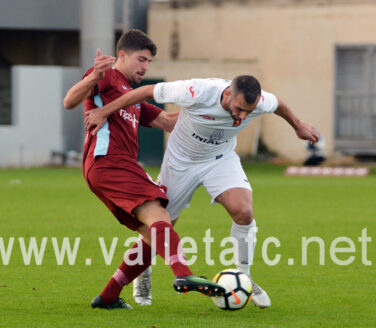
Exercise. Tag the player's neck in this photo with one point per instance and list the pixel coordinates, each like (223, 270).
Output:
(118, 67)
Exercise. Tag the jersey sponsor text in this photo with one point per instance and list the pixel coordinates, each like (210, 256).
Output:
(128, 116)
(208, 141)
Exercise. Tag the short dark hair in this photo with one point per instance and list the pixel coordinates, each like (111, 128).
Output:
(134, 40)
(248, 85)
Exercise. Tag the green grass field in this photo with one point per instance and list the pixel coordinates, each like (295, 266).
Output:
(57, 203)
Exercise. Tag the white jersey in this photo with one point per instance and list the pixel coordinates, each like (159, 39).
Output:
(204, 131)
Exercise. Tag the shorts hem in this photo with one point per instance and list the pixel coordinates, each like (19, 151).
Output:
(213, 201)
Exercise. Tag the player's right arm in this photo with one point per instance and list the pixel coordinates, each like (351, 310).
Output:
(82, 90)
(302, 129)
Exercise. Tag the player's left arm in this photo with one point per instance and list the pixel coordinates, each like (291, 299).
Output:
(181, 93)
(302, 129)
(165, 121)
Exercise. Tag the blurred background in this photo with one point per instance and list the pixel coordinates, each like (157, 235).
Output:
(319, 56)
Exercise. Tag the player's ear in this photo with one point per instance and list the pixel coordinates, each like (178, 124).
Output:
(227, 93)
(122, 55)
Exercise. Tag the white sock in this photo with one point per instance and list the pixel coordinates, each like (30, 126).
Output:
(246, 237)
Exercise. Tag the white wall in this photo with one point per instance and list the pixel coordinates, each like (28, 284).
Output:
(37, 116)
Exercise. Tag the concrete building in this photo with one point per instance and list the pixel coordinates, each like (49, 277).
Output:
(318, 56)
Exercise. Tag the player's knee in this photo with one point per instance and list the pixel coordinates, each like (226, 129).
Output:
(243, 215)
(151, 212)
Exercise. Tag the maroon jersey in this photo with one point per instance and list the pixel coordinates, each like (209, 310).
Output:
(119, 134)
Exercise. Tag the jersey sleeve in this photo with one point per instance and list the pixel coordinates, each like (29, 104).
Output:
(182, 93)
(268, 103)
(148, 113)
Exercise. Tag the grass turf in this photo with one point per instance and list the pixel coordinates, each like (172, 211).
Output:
(57, 203)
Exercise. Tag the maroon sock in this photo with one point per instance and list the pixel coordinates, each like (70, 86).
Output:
(126, 272)
(160, 228)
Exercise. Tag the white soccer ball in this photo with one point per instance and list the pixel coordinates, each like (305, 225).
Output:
(238, 289)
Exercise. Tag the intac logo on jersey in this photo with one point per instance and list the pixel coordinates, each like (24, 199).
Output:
(208, 141)
(129, 117)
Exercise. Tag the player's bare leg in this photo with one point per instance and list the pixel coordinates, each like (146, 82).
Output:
(238, 203)
(157, 220)
(142, 284)
(110, 296)
(153, 215)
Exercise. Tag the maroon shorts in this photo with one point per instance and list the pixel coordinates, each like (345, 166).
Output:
(122, 184)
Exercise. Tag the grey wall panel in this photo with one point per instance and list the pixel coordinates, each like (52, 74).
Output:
(73, 120)
(45, 14)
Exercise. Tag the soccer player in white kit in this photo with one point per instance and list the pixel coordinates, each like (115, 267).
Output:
(201, 151)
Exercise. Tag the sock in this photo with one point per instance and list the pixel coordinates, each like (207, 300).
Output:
(148, 270)
(246, 237)
(126, 272)
(166, 237)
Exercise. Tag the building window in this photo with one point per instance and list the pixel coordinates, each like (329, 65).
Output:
(355, 99)
(5, 96)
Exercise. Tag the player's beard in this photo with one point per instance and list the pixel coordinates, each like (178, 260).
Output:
(138, 77)
(233, 117)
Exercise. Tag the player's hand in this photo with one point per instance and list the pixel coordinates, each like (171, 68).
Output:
(102, 64)
(94, 120)
(307, 132)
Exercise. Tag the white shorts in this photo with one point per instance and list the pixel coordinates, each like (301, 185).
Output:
(216, 176)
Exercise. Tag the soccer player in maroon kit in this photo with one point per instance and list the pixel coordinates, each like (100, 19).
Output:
(112, 173)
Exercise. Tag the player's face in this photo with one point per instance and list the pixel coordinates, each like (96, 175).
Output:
(135, 64)
(239, 108)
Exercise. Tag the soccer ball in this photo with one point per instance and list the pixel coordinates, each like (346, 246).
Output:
(238, 289)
